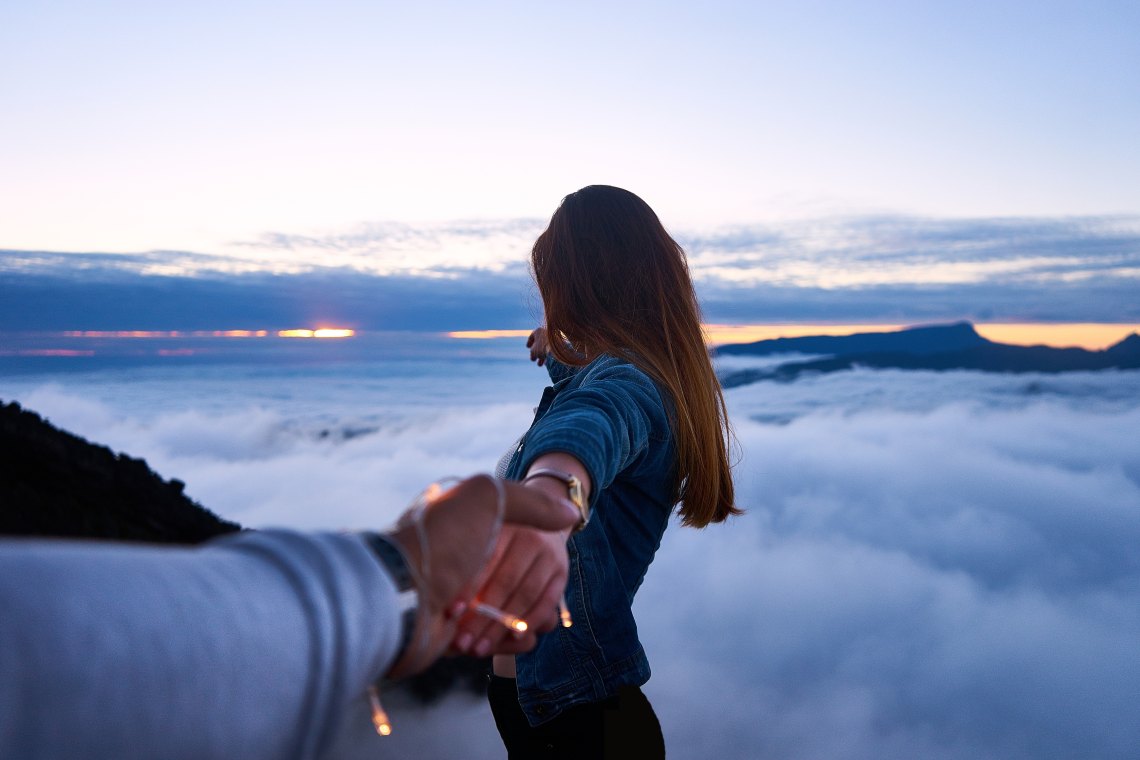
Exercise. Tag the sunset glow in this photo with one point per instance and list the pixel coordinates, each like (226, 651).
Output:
(166, 333)
(322, 332)
(719, 334)
(1090, 336)
(326, 332)
(1094, 337)
(488, 334)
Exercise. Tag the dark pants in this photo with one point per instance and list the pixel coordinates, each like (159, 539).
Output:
(623, 726)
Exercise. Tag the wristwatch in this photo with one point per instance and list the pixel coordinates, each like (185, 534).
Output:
(392, 558)
(573, 490)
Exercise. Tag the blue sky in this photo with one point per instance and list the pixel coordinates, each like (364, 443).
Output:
(138, 126)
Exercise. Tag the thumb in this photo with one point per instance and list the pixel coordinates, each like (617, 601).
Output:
(529, 506)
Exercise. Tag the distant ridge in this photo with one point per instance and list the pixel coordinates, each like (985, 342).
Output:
(912, 340)
(936, 347)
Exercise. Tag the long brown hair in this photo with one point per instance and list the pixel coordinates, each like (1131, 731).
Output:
(613, 281)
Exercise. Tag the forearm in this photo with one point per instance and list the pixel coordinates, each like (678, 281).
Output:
(555, 488)
(250, 647)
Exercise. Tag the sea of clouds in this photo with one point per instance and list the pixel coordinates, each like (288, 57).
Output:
(935, 565)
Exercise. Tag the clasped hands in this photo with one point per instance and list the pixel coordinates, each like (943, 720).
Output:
(518, 566)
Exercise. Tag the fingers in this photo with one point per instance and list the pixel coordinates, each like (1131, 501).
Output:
(526, 579)
(543, 615)
(480, 635)
(532, 507)
(538, 345)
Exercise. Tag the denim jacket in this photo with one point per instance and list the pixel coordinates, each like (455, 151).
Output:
(612, 418)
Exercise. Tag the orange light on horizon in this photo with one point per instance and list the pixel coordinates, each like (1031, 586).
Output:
(488, 334)
(323, 332)
(718, 334)
(1087, 335)
(165, 333)
(239, 333)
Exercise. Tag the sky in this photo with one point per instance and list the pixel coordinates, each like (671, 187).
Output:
(135, 127)
(931, 565)
(386, 166)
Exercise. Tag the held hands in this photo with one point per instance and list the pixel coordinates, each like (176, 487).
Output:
(520, 572)
(458, 528)
(528, 573)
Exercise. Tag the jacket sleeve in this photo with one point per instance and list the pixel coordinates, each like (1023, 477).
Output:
(605, 422)
(251, 646)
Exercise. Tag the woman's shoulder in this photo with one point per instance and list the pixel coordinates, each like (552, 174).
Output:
(621, 374)
(611, 365)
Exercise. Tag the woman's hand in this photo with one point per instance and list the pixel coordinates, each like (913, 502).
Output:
(459, 527)
(539, 345)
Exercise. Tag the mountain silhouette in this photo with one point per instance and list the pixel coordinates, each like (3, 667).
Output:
(913, 340)
(937, 347)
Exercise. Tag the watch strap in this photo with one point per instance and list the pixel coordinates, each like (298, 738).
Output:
(573, 491)
(392, 558)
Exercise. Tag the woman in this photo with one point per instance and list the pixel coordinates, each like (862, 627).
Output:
(637, 419)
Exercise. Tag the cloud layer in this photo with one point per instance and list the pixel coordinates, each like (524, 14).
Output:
(470, 275)
(932, 565)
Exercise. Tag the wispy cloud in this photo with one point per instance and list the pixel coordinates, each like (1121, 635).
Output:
(872, 251)
(897, 269)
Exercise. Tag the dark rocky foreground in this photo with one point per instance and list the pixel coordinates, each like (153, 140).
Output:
(53, 483)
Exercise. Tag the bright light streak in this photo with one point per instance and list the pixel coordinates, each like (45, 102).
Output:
(166, 333)
(488, 334)
(564, 614)
(324, 332)
(380, 718)
(505, 618)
